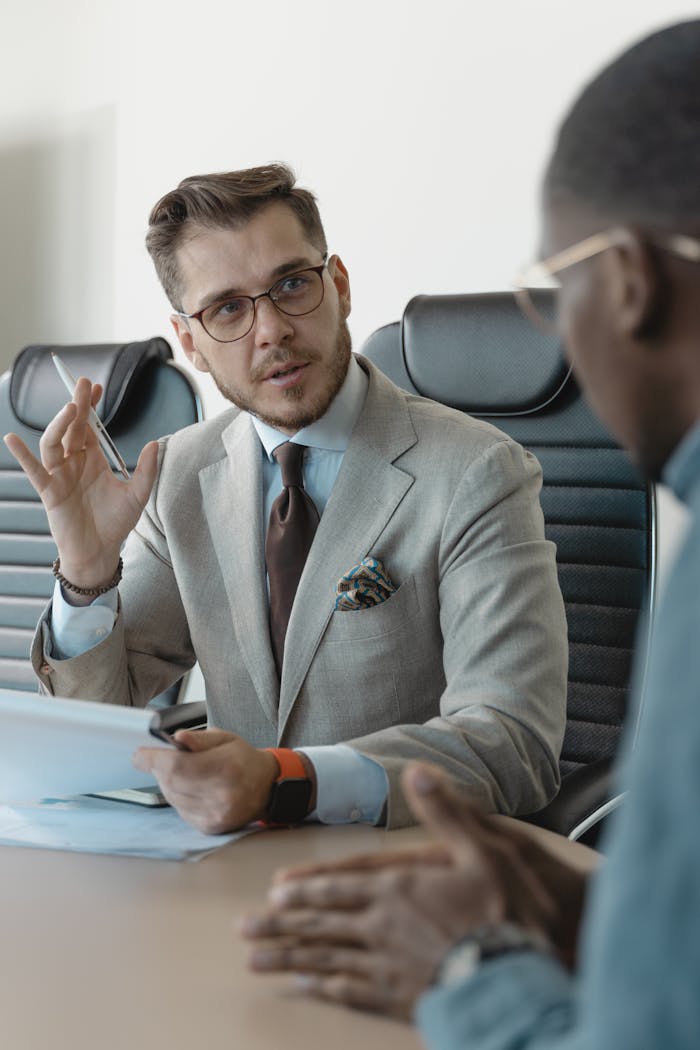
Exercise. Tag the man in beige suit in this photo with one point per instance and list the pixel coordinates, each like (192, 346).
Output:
(462, 660)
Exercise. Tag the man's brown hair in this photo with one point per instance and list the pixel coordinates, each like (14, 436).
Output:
(224, 200)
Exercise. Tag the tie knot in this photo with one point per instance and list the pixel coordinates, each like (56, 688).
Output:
(290, 458)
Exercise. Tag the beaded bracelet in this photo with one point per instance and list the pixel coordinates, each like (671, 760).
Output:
(90, 592)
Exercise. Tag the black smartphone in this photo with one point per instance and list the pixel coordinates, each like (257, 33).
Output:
(147, 796)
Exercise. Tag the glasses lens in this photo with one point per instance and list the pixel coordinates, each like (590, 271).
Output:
(299, 293)
(229, 320)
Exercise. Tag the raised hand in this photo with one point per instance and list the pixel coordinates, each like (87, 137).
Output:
(90, 510)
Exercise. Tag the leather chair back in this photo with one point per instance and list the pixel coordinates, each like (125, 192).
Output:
(478, 354)
(145, 396)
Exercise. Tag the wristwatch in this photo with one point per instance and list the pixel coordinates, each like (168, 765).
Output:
(486, 942)
(291, 792)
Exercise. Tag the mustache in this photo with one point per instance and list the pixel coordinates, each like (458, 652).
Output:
(281, 357)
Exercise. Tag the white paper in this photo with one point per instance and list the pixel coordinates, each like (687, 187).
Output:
(91, 825)
(51, 746)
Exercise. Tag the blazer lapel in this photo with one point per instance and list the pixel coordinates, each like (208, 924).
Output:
(367, 492)
(232, 495)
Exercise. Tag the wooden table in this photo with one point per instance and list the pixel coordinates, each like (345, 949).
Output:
(119, 953)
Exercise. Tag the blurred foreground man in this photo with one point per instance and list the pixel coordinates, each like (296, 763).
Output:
(481, 932)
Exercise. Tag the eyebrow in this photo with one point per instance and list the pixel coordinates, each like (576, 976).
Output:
(301, 262)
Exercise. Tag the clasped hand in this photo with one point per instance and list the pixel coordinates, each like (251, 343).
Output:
(372, 931)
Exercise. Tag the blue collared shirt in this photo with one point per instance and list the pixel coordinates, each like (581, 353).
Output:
(350, 787)
(639, 987)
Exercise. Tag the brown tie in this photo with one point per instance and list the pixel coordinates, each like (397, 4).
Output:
(290, 533)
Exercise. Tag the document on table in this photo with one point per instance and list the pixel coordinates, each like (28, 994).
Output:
(52, 751)
(93, 825)
(51, 746)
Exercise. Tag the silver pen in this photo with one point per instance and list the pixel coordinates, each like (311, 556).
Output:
(106, 443)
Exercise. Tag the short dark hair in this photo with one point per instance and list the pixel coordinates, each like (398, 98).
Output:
(224, 200)
(630, 146)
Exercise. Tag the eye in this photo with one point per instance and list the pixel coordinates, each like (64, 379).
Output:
(295, 283)
(224, 311)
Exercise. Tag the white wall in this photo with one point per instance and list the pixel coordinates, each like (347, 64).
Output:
(423, 128)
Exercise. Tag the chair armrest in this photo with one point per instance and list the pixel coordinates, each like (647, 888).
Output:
(585, 797)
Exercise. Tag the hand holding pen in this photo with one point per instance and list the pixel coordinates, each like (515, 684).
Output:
(90, 508)
(106, 443)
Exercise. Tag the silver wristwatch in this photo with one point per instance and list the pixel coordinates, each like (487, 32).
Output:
(486, 942)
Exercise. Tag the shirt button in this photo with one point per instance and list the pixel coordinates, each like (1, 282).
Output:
(100, 632)
(45, 669)
(355, 814)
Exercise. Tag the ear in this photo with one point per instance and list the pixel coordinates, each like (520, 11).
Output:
(341, 280)
(184, 335)
(636, 285)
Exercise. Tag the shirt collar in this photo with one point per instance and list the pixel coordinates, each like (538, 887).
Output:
(682, 471)
(332, 431)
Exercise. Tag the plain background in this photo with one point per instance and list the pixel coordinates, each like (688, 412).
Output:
(423, 128)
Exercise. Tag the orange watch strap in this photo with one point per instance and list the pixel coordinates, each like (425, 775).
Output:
(290, 763)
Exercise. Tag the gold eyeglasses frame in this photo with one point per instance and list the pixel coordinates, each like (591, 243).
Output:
(541, 276)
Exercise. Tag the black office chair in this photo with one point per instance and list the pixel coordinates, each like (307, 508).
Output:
(478, 354)
(145, 396)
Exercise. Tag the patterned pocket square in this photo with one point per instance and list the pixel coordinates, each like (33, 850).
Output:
(363, 586)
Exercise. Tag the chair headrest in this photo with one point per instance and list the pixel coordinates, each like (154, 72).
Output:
(479, 354)
(37, 391)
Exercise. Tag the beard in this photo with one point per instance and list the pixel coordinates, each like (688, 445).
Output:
(335, 371)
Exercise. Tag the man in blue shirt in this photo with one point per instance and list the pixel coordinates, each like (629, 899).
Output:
(478, 936)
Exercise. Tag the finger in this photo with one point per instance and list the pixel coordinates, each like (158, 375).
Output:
(169, 764)
(351, 976)
(144, 476)
(306, 926)
(478, 844)
(347, 891)
(203, 739)
(150, 759)
(457, 822)
(435, 853)
(51, 443)
(356, 991)
(79, 432)
(327, 959)
(32, 467)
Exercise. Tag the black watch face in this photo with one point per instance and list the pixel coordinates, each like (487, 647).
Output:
(289, 801)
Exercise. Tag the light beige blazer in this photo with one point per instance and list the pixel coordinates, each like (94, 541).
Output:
(465, 664)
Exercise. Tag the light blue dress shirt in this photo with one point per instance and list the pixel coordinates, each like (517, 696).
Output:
(351, 788)
(639, 984)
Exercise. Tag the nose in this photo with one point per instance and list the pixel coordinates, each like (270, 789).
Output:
(271, 326)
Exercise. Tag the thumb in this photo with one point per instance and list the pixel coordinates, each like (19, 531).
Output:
(145, 473)
(202, 739)
(450, 817)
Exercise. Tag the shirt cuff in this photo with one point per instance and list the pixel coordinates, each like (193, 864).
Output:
(350, 788)
(77, 628)
(523, 999)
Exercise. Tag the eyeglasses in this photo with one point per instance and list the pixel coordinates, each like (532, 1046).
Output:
(230, 319)
(537, 286)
